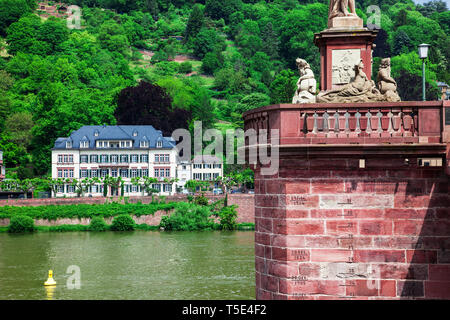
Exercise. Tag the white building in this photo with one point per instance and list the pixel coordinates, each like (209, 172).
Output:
(2, 167)
(206, 168)
(184, 173)
(116, 151)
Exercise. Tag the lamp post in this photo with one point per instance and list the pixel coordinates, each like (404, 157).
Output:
(423, 54)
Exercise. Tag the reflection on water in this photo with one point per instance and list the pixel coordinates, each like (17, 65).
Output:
(137, 265)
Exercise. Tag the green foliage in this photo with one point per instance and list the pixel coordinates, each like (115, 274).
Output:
(80, 211)
(207, 40)
(21, 224)
(11, 11)
(185, 67)
(228, 216)
(282, 88)
(123, 222)
(188, 217)
(201, 200)
(98, 224)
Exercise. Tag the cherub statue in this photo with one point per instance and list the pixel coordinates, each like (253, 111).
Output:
(386, 84)
(306, 85)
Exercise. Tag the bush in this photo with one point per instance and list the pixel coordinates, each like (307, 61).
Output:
(185, 67)
(228, 216)
(188, 217)
(98, 224)
(21, 224)
(124, 222)
(201, 200)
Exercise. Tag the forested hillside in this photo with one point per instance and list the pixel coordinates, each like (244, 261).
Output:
(214, 58)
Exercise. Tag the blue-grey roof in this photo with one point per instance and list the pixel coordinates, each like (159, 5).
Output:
(144, 133)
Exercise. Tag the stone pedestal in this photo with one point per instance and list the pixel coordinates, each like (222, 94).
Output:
(341, 49)
(359, 207)
(346, 23)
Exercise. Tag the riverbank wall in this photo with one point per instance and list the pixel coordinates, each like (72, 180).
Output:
(245, 209)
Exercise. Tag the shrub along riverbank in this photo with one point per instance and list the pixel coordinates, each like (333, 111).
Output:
(184, 217)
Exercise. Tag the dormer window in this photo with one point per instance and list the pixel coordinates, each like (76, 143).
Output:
(159, 144)
(69, 144)
(144, 144)
(96, 133)
(84, 144)
(135, 133)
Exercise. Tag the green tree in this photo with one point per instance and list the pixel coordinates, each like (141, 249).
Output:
(283, 87)
(112, 37)
(11, 11)
(195, 22)
(207, 40)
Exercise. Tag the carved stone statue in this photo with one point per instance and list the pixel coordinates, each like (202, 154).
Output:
(341, 8)
(342, 14)
(306, 85)
(386, 84)
(361, 89)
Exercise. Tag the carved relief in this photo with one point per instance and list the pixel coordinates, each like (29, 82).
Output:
(344, 62)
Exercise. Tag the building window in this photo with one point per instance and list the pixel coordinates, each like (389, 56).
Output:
(122, 144)
(94, 189)
(94, 173)
(197, 166)
(145, 172)
(96, 133)
(215, 176)
(156, 173)
(124, 173)
(167, 188)
(134, 188)
(184, 167)
(207, 176)
(124, 158)
(134, 158)
(104, 173)
(60, 189)
(157, 187)
(167, 173)
(133, 173)
(83, 159)
(217, 166)
(84, 173)
(128, 144)
(70, 173)
(94, 158)
(144, 158)
(144, 144)
(84, 144)
(60, 173)
(104, 158)
(70, 189)
(159, 144)
(207, 166)
(114, 173)
(114, 158)
(60, 158)
(197, 176)
(66, 173)
(69, 144)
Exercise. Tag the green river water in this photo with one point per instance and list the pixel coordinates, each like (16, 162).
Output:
(129, 266)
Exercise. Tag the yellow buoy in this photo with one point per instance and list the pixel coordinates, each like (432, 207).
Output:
(50, 281)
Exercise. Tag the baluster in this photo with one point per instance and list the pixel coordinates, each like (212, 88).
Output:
(315, 125)
(369, 123)
(397, 122)
(326, 118)
(342, 124)
(415, 123)
(303, 130)
(384, 124)
(309, 124)
(407, 122)
(390, 116)
(380, 124)
(358, 123)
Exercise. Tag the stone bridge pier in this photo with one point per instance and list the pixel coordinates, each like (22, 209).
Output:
(359, 207)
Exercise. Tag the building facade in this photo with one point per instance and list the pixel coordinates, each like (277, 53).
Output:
(115, 151)
(206, 168)
(2, 167)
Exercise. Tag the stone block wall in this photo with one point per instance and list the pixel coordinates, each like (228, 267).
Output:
(327, 229)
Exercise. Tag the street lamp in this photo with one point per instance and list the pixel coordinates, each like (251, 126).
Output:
(423, 54)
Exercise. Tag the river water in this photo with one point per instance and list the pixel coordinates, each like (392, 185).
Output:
(128, 266)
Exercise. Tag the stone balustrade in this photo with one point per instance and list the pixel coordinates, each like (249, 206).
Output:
(359, 124)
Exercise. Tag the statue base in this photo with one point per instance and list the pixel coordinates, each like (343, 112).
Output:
(349, 22)
(340, 50)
